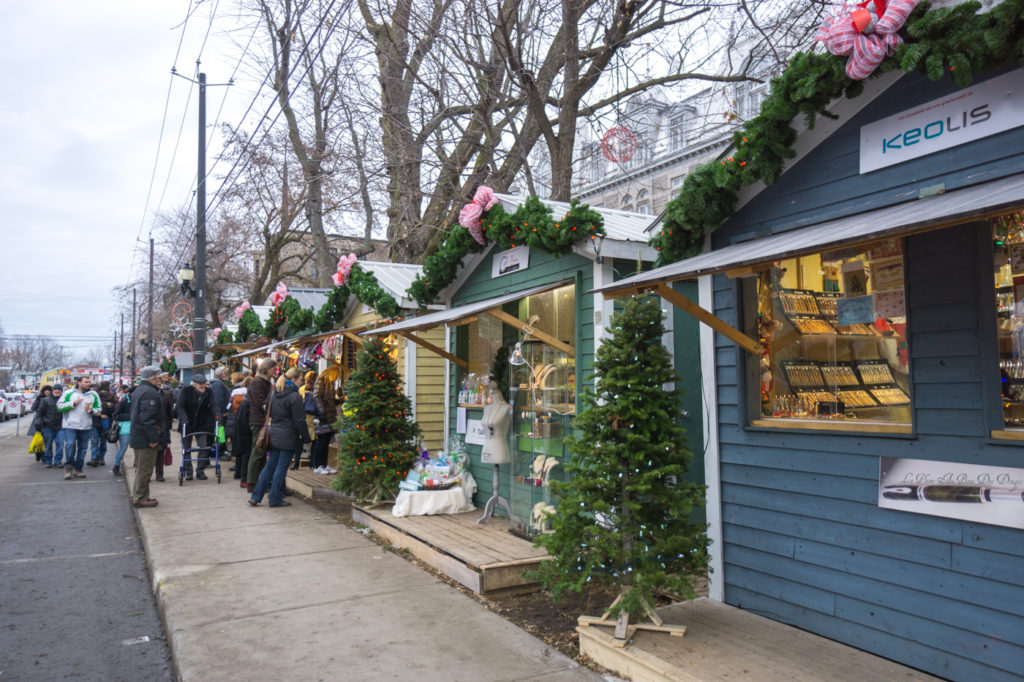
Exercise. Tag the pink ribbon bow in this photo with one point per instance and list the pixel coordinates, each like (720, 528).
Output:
(216, 332)
(281, 293)
(469, 216)
(345, 264)
(842, 34)
(241, 309)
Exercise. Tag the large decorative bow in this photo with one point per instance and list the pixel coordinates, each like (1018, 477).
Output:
(345, 264)
(469, 216)
(281, 293)
(216, 332)
(849, 31)
(241, 309)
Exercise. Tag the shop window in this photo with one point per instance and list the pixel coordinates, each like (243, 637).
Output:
(552, 380)
(1008, 266)
(833, 330)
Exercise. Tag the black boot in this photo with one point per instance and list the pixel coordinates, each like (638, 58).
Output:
(116, 470)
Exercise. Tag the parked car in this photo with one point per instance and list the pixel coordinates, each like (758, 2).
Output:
(13, 405)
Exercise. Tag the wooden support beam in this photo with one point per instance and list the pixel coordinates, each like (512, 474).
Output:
(461, 321)
(354, 337)
(539, 335)
(677, 299)
(435, 349)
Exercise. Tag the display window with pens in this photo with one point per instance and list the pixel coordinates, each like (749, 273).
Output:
(1008, 278)
(833, 333)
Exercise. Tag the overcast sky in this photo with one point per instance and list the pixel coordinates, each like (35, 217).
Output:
(84, 91)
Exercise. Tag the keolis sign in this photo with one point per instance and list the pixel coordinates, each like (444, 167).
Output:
(973, 113)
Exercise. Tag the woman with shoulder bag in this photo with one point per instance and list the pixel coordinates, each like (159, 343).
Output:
(288, 433)
(121, 424)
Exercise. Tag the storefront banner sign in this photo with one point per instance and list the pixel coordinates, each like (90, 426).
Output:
(860, 310)
(513, 260)
(475, 432)
(983, 109)
(890, 305)
(970, 492)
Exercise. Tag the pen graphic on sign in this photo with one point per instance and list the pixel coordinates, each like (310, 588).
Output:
(951, 493)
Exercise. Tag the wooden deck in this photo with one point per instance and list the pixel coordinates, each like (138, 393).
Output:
(486, 558)
(304, 482)
(726, 643)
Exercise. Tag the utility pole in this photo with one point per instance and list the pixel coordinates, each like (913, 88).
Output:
(120, 367)
(149, 330)
(199, 318)
(132, 351)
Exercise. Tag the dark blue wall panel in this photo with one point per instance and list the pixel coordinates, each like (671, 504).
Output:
(804, 541)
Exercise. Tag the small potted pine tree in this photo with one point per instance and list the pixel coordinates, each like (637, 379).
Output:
(377, 445)
(624, 514)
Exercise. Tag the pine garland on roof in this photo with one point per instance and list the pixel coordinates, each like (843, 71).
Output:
(955, 40)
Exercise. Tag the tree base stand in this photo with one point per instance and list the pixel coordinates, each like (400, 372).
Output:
(624, 630)
(496, 500)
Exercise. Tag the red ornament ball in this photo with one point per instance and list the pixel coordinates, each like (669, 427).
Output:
(619, 144)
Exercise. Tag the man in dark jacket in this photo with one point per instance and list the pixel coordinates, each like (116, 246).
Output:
(241, 442)
(51, 422)
(259, 394)
(148, 430)
(100, 424)
(197, 419)
(221, 397)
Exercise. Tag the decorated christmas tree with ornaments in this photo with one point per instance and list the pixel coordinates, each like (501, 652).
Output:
(377, 446)
(624, 514)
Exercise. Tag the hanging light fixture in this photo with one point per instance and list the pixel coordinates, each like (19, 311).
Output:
(517, 358)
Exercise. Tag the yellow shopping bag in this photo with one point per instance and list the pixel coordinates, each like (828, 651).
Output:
(36, 447)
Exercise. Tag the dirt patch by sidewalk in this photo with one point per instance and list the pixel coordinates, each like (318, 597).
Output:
(536, 612)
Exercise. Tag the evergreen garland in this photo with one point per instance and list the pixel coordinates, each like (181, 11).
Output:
(623, 517)
(224, 337)
(332, 312)
(532, 224)
(363, 284)
(377, 445)
(169, 365)
(955, 40)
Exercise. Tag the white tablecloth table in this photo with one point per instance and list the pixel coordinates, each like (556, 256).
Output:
(454, 500)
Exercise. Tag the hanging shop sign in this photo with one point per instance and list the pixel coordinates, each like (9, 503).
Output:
(970, 492)
(983, 109)
(513, 260)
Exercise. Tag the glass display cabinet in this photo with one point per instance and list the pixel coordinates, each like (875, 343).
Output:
(543, 396)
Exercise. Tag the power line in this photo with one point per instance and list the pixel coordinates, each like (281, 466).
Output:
(159, 144)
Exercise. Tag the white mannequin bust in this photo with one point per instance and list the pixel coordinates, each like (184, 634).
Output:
(496, 421)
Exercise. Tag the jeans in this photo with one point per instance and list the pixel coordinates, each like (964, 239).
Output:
(273, 474)
(202, 441)
(318, 452)
(48, 437)
(122, 446)
(99, 444)
(76, 443)
(60, 440)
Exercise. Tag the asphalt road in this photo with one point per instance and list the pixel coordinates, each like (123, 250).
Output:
(75, 595)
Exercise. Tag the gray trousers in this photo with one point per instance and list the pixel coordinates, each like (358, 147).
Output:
(145, 460)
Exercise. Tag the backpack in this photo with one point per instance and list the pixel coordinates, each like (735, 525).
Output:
(236, 401)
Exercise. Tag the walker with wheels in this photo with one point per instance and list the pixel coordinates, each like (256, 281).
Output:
(207, 453)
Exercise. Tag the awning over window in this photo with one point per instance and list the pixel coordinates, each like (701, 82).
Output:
(958, 206)
(465, 314)
(920, 215)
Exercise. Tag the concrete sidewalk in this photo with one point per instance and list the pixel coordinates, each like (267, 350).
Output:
(266, 594)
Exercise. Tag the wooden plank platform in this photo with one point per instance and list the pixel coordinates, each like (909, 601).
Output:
(485, 557)
(304, 482)
(723, 642)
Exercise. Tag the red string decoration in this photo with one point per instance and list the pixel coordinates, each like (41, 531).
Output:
(619, 144)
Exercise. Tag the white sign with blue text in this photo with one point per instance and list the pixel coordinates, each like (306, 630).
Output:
(983, 109)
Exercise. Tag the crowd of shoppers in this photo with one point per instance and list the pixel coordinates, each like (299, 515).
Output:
(74, 419)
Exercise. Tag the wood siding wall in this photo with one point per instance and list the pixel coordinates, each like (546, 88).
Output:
(804, 539)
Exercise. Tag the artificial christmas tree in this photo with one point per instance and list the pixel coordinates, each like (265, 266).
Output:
(623, 518)
(377, 447)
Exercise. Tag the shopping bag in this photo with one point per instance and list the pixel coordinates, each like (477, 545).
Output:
(168, 458)
(36, 447)
(221, 436)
